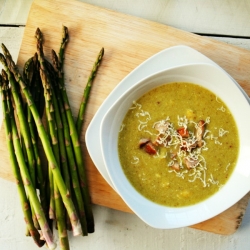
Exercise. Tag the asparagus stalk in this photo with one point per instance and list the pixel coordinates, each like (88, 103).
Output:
(15, 168)
(71, 160)
(86, 93)
(59, 208)
(62, 150)
(25, 135)
(58, 65)
(51, 196)
(11, 67)
(55, 128)
(51, 84)
(73, 172)
(5, 78)
(28, 71)
(24, 127)
(29, 75)
(37, 90)
(53, 139)
(46, 232)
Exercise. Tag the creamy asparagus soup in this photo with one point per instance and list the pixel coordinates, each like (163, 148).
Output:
(178, 144)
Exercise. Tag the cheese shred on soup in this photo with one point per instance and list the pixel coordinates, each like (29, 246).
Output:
(178, 144)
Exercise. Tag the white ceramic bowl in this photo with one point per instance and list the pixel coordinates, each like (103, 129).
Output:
(159, 216)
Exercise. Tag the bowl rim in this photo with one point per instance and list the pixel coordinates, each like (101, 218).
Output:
(185, 212)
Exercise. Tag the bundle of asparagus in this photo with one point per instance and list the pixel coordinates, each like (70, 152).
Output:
(36, 110)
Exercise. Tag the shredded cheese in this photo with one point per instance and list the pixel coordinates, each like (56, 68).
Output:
(222, 109)
(228, 165)
(191, 163)
(222, 132)
(135, 160)
(144, 116)
(212, 181)
(217, 99)
(122, 127)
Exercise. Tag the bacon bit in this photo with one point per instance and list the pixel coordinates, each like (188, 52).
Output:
(200, 132)
(183, 132)
(155, 142)
(184, 146)
(194, 145)
(187, 146)
(176, 166)
(173, 155)
(191, 163)
(150, 148)
(143, 142)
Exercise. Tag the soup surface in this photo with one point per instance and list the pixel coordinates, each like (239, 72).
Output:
(178, 144)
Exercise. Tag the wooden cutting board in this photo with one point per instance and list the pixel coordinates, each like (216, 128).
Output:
(128, 41)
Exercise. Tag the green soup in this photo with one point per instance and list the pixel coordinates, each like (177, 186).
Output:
(178, 144)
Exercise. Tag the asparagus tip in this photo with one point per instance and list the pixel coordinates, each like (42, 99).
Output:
(3, 60)
(3, 47)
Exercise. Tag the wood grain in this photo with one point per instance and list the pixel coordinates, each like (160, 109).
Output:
(128, 41)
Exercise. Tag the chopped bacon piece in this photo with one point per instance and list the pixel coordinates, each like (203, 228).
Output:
(200, 132)
(173, 155)
(188, 145)
(183, 132)
(191, 163)
(155, 142)
(193, 145)
(184, 146)
(143, 142)
(176, 166)
(150, 148)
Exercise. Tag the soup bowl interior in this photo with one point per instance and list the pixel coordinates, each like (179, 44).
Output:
(217, 81)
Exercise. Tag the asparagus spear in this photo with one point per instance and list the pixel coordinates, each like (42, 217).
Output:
(46, 232)
(29, 75)
(58, 65)
(11, 67)
(5, 78)
(24, 127)
(37, 90)
(51, 196)
(59, 208)
(55, 128)
(60, 129)
(62, 150)
(81, 113)
(64, 136)
(25, 135)
(71, 159)
(14, 165)
(53, 140)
